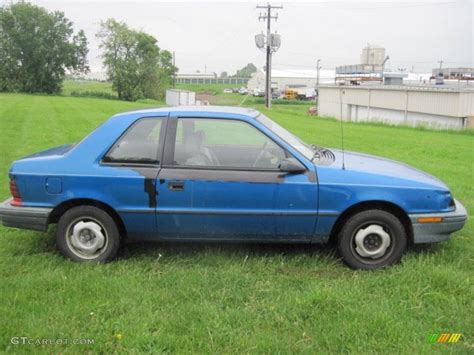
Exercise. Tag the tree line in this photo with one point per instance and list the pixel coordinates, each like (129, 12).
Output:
(245, 72)
(38, 48)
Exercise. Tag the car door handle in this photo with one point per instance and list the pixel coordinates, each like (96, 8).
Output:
(176, 185)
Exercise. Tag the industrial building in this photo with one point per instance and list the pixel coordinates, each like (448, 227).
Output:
(431, 106)
(372, 55)
(291, 78)
(207, 78)
(454, 73)
(370, 69)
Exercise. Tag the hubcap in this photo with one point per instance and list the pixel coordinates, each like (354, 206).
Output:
(86, 239)
(372, 241)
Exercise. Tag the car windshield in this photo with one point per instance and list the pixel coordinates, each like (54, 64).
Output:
(288, 137)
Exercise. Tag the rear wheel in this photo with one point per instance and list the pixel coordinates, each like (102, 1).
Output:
(87, 233)
(372, 239)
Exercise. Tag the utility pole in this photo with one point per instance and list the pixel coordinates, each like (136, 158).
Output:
(317, 74)
(368, 53)
(174, 65)
(440, 76)
(441, 66)
(270, 47)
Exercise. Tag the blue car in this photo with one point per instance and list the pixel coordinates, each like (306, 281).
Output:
(224, 174)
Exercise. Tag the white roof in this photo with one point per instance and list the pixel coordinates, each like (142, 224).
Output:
(412, 76)
(302, 73)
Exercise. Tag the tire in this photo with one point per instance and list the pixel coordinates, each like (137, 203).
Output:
(372, 239)
(88, 234)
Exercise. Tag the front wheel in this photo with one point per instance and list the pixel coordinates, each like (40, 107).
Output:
(372, 239)
(87, 233)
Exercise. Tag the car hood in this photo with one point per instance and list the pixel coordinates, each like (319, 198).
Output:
(393, 171)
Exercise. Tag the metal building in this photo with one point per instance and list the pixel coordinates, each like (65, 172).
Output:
(372, 55)
(208, 78)
(455, 73)
(285, 79)
(370, 69)
(447, 107)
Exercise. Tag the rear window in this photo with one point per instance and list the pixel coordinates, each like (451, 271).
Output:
(139, 144)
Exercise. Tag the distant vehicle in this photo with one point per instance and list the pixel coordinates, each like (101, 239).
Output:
(300, 93)
(224, 174)
(228, 91)
(258, 92)
(276, 94)
(291, 94)
(235, 90)
(243, 91)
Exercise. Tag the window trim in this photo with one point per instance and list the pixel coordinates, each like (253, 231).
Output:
(170, 141)
(161, 144)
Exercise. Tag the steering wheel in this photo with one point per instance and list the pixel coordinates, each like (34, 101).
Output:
(261, 154)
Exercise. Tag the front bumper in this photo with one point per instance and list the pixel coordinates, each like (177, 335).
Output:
(35, 218)
(440, 231)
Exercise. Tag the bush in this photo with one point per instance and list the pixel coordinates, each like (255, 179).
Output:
(95, 94)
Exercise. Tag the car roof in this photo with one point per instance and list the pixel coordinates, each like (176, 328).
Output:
(201, 110)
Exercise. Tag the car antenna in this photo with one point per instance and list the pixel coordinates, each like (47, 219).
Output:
(342, 131)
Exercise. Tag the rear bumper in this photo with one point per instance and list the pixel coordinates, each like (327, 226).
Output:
(438, 232)
(35, 218)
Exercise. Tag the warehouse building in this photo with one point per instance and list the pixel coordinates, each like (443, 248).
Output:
(292, 78)
(208, 78)
(435, 107)
(454, 73)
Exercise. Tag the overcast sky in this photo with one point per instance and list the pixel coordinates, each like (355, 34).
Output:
(219, 36)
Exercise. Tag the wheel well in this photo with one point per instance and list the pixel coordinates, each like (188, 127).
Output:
(59, 210)
(369, 205)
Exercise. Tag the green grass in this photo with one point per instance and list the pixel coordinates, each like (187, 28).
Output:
(211, 88)
(211, 92)
(194, 298)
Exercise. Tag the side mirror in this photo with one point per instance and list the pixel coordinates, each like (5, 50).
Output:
(292, 166)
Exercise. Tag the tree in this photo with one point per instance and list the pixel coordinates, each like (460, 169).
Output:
(246, 72)
(135, 64)
(224, 75)
(37, 48)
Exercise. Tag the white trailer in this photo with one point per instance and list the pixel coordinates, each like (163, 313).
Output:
(180, 97)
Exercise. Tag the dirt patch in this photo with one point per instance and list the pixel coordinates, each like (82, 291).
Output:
(204, 96)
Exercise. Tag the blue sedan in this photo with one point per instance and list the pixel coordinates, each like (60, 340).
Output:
(224, 174)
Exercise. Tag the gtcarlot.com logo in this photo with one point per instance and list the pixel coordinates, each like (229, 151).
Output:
(50, 341)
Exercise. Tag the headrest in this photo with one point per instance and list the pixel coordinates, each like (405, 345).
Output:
(195, 140)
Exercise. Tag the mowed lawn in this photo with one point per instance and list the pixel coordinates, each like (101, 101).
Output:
(234, 298)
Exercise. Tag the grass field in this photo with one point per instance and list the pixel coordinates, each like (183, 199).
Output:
(210, 92)
(217, 298)
(88, 88)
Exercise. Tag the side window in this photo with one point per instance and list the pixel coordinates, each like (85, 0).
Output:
(139, 144)
(224, 143)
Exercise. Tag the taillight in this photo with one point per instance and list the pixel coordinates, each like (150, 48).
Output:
(15, 193)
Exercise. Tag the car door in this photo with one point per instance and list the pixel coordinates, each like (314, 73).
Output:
(129, 170)
(220, 180)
